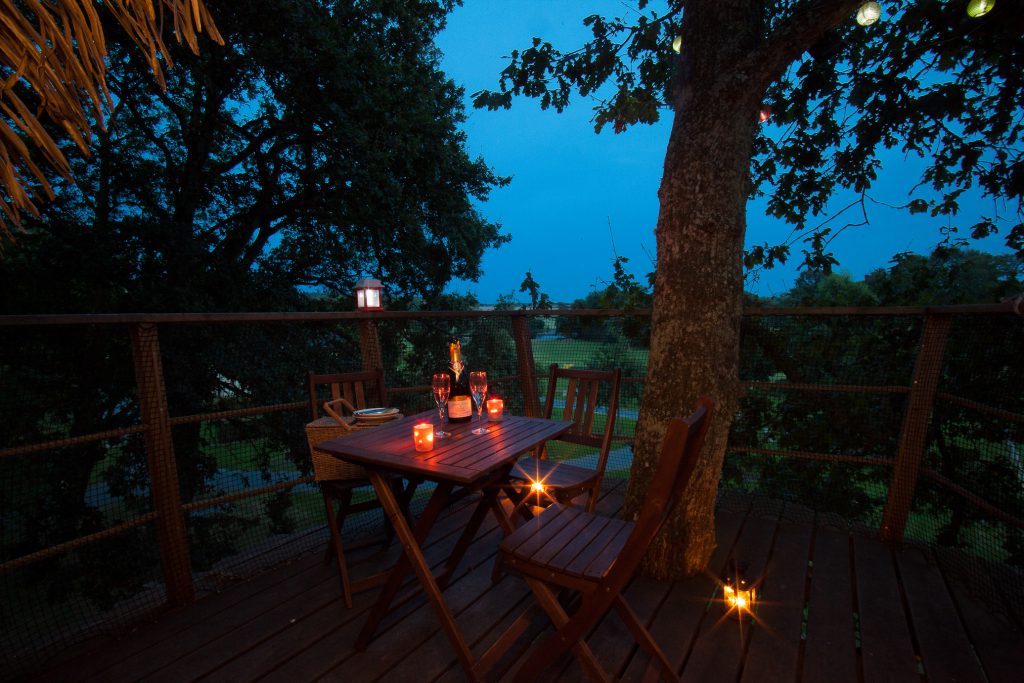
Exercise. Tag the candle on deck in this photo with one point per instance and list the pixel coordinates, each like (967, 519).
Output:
(495, 409)
(423, 436)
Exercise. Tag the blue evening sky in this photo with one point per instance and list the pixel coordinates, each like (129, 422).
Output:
(578, 198)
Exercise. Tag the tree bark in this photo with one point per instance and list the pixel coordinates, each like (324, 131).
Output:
(725, 65)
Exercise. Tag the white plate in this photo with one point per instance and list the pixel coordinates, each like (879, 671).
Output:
(375, 413)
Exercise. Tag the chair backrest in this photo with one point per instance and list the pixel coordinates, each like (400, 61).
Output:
(581, 405)
(364, 389)
(679, 453)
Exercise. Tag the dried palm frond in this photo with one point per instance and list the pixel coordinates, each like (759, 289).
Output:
(53, 69)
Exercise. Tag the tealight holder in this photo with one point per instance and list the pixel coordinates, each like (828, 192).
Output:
(739, 597)
(495, 409)
(423, 437)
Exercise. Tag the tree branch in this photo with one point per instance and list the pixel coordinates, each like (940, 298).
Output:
(808, 24)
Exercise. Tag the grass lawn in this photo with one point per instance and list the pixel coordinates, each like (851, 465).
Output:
(578, 353)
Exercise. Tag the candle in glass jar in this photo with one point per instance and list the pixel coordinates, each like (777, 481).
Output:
(495, 408)
(423, 436)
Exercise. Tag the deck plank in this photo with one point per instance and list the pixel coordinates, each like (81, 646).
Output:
(830, 653)
(946, 650)
(887, 651)
(773, 654)
(111, 651)
(290, 625)
(990, 624)
(410, 609)
(718, 653)
(680, 615)
(498, 616)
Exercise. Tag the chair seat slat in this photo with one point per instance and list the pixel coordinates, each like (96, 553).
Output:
(556, 543)
(526, 539)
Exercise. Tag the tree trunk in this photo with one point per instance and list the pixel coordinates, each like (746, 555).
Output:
(698, 293)
(728, 59)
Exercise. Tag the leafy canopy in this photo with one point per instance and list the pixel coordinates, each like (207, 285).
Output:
(308, 151)
(926, 81)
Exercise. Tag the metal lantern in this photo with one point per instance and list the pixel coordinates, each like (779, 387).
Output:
(979, 8)
(868, 13)
(368, 295)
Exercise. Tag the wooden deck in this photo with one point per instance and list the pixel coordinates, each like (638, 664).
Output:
(838, 607)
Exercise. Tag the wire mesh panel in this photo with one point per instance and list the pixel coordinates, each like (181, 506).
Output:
(599, 343)
(244, 462)
(820, 421)
(970, 499)
(415, 349)
(63, 386)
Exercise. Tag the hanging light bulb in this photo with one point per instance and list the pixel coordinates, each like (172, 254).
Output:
(677, 43)
(868, 13)
(764, 114)
(979, 8)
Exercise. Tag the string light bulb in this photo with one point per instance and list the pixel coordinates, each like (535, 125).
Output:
(677, 44)
(979, 8)
(869, 13)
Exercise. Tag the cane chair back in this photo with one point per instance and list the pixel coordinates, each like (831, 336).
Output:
(339, 394)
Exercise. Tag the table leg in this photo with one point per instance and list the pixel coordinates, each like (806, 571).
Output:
(411, 542)
(489, 501)
(414, 556)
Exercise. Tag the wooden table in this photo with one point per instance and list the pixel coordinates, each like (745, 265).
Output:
(464, 459)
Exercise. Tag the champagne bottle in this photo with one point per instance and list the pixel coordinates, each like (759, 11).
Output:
(460, 401)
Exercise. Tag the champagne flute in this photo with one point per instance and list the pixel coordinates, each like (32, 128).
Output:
(440, 387)
(478, 387)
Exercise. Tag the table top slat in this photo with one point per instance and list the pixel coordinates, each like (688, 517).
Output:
(463, 458)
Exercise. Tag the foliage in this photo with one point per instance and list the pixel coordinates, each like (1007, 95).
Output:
(307, 152)
(53, 60)
(623, 292)
(970, 447)
(926, 79)
(947, 276)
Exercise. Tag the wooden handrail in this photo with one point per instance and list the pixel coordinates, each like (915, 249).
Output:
(40, 320)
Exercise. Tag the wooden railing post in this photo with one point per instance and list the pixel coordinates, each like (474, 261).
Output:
(914, 433)
(163, 471)
(524, 357)
(369, 345)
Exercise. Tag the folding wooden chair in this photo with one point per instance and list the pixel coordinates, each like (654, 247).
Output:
(569, 548)
(344, 393)
(562, 481)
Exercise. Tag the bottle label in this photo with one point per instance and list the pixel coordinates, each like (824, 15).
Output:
(459, 406)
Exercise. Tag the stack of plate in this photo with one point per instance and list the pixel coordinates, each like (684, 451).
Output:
(375, 414)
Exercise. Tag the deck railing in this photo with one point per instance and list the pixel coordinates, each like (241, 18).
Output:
(146, 455)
